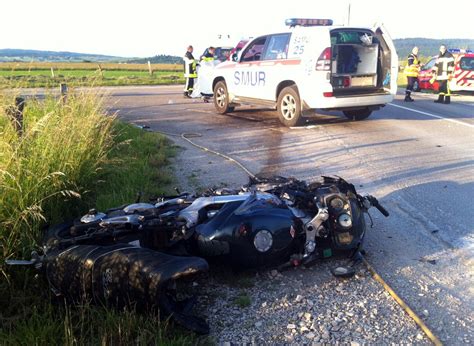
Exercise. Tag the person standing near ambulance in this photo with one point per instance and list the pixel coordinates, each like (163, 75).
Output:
(443, 72)
(190, 72)
(411, 71)
(209, 54)
(206, 65)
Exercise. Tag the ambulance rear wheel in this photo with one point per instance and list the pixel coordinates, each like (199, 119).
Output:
(359, 114)
(289, 107)
(221, 98)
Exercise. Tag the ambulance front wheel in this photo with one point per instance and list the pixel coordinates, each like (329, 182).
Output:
(221, 98)
(289, 107)
(359, 114)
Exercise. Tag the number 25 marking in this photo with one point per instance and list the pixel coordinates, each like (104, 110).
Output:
(299, 50)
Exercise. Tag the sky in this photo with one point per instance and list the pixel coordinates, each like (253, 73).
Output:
(143, 28)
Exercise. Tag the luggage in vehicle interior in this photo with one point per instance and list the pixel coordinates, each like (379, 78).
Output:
(354, 59)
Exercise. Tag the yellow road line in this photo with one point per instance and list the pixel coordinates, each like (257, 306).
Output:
(404, 306)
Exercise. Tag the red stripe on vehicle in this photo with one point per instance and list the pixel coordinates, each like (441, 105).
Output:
(226, 66)
(461, 75)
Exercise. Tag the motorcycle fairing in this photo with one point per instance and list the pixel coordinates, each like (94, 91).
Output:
(222, 235)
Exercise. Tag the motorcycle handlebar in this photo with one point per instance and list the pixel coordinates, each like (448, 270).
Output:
(382, 210)
(377, 205)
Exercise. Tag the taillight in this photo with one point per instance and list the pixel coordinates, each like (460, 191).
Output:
(324, 60)
(328, 94)
(346, 82)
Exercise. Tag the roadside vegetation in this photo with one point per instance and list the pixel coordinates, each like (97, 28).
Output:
(44, 74)
(70, 157)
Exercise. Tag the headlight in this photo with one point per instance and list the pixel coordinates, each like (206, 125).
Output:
(336, 203)
(263, 240)
(344, 220)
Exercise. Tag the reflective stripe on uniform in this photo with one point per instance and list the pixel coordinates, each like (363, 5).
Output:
(189, 68)
(411, 70)
(444, 67)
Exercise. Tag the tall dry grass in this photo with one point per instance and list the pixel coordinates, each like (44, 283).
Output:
(58, 157)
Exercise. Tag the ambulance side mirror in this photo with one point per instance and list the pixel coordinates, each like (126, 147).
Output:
(235, 57)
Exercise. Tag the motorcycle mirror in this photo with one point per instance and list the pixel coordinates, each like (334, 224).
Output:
(343, 272)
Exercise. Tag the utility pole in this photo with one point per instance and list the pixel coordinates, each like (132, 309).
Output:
(349, 14)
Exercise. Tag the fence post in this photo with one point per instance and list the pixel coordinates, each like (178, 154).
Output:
(150, 71)
(63, 90)
(100, 70)
(16, 114)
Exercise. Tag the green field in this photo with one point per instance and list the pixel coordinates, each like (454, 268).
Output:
(43, 78)
(92, 74)
(85, 74)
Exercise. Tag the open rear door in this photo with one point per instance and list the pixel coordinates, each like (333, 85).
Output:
(389, 58)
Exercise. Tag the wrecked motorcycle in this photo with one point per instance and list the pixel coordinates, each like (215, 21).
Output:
(267, 222)
(136, 253)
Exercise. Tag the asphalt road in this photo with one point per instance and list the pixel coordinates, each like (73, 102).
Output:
(417, 158)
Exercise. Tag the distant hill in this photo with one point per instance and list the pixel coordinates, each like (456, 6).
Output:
(427, 46)
(43, 55)
(158, 59)
(27, 55)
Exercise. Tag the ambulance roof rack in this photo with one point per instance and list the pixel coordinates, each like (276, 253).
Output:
(457, 50)
(292, 22)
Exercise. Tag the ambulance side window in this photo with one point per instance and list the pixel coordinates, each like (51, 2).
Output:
(277, 47)
(254, 50)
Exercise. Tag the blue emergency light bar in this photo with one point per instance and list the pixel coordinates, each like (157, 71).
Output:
(307, 22)
(457, 50)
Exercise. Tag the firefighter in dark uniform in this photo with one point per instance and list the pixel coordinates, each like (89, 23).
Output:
(411, 71)
(443, 72)
(190, 72)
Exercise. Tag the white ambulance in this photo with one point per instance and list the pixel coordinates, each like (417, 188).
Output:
(314, 65)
